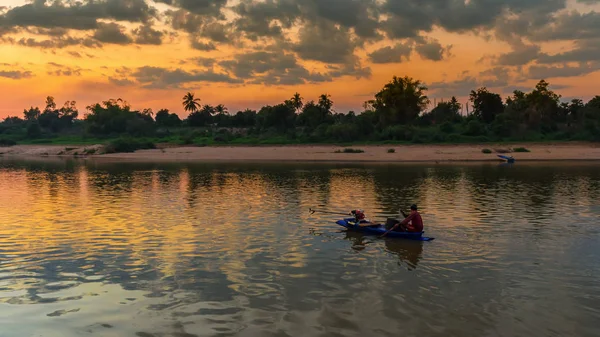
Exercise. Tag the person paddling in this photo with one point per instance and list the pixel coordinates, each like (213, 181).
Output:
(412, 223)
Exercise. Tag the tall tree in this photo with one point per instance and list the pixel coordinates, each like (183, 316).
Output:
(208, 110)
(280, 117)
(32, 114)
(221, 109)
(148, 112)
(50, 104)
(167, 119)
(325, 103)
(592, 109)
(400, 101)
(486, 105)
(542, 105)
(297, 102)
(190, 103)
(446, 112)
(202, 117)
(244, 118)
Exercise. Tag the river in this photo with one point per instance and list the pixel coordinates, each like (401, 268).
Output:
(92, 248)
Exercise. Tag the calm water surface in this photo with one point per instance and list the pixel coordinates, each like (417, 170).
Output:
(100, 249)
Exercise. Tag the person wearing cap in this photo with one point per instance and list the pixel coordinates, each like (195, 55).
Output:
(412, 223)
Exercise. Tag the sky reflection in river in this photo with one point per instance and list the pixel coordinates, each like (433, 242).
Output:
(231, 250)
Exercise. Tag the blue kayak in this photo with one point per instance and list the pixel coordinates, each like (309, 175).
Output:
(509, 159)
(380, 230)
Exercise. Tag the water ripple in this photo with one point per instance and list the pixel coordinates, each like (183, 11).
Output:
(229, 250)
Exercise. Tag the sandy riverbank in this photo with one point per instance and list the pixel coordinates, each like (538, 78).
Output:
(325, 153)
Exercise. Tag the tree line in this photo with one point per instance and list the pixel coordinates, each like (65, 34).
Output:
(397, 113)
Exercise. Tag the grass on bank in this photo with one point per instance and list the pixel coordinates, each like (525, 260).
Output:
(350, 150)
(128, 145)
(225, 137)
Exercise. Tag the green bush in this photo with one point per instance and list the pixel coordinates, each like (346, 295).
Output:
(7, 142)
(41, 141)
(454, 138)
(420, 138)
(520, 149)
(474, 128)
(339, 132)
(391, 151)
(398, 133)
(349, 150)
(34, 130)
(128, 145)
(447, 127)
(486, 151)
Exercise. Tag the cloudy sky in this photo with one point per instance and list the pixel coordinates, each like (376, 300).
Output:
(247, 53)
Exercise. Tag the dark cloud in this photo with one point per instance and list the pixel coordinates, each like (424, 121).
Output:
(146, 34)
(360, 15)
(407, 18)
(542, 71)
(271, 68)
(216, 32)
(293, 76)
(200, 7)
(327, 31)
(525, 18)
(353, 68)
(392, 54)
(53, 32)
(325, 42)
(201, 27)
(57, 69)
(54, 19)
(120, 82)
(185, 21)
(520, 55)
(432, 50)
(15, 74)
(498, 77)
(584, 51)
(204, 61)
(55, 43)
(257, 19)
(265, 19)
(162, 78)
(461, 87)
(276, 67)
(255, 63)
(75, 15)
(570, 25)
(202, 45)
(75, 54)
(112, 33)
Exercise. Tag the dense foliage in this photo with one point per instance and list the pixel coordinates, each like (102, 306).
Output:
(396, 114)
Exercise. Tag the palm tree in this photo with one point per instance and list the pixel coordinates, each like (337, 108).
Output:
(191, 104)
(221, 109)
(325, 103)
(296, 102)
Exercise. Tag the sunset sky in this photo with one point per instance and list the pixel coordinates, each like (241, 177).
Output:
(248, 53)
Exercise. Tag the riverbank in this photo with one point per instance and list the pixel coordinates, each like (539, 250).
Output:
(326, 153)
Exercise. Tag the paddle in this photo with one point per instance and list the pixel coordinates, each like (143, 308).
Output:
(403, 214)
(312, 211)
